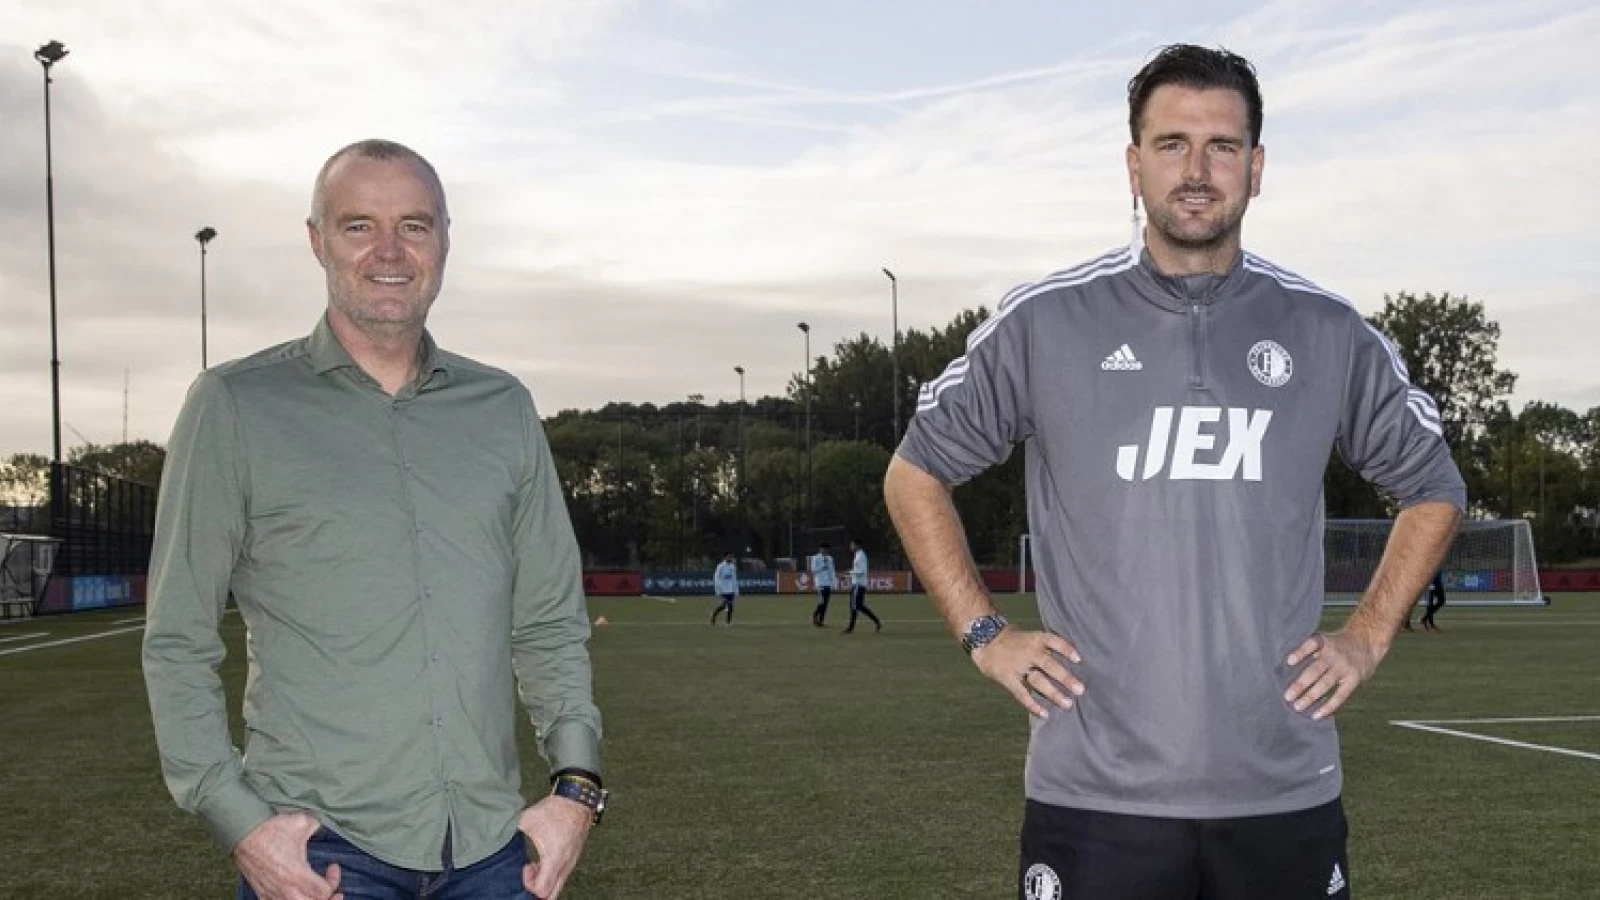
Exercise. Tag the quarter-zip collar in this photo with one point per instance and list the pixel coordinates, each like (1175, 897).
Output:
(1179, 293)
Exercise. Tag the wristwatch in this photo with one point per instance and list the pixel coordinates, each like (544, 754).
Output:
(582, 790)
(981, 631)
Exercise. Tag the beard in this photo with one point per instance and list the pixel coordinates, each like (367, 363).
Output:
(1189, 233)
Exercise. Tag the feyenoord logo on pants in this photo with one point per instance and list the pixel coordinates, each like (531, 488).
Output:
(1040, 883)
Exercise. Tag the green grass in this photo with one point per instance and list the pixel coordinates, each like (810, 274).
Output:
(773, 760)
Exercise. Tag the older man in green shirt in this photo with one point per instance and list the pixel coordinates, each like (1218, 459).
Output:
(388, 518)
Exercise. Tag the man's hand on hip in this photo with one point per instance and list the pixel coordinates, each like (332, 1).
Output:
(1336, 664)
(558, 828)
(273, 859)
(1030, 664)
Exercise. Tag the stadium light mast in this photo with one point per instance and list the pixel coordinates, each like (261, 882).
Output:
(204, 236)
(48, 55)
(744, 528)
(805, 500)
(694, 497)
(894, 348)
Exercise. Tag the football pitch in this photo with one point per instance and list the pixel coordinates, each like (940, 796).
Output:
(774, 760)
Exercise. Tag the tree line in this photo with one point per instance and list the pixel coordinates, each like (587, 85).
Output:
(678, 484)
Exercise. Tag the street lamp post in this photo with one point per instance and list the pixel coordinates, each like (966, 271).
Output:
(48, 55)
(894, 347)
(204, 236)
(694, 497)
(805, 500)
(744, 525)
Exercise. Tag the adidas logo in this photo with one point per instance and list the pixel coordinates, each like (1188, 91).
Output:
(1122, 360)
(1336, 883)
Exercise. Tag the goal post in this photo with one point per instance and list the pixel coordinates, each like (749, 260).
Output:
(25, 564)
(1490, 562)
(1024, 564)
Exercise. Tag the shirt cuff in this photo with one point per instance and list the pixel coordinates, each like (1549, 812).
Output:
(573, 745)
(232, 812)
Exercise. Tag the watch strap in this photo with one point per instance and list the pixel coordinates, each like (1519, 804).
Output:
(581, 790)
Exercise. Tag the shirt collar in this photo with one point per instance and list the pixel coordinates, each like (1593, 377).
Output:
(328, 354)
(1180, 291)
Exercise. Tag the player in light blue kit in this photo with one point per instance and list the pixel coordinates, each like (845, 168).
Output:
(726, 582)
(824, 578)
(858, 589)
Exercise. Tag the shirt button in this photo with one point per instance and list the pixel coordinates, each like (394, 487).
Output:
(438, 723)
(434, 659)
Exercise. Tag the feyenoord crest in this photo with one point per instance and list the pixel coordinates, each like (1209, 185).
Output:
(1040, 883)
(1270, 364)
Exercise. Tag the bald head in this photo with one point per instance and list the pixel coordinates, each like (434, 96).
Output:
(374, 148)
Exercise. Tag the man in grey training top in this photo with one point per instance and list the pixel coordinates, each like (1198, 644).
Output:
(388, 517)
(1178, 405)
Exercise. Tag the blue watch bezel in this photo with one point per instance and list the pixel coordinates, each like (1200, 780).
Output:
(983, 630)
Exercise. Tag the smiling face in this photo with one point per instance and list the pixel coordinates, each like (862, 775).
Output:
(381, 234)
(1195, 169)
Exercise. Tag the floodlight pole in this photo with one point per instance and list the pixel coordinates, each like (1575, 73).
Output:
(48, 55)
(204, 236)
(894, 348)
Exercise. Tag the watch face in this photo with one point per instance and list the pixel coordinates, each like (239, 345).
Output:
(984, 629)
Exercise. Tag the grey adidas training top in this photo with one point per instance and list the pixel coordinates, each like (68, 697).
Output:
(1177, 429)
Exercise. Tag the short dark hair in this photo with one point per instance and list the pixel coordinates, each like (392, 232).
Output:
(824, 546)
(1200, 68)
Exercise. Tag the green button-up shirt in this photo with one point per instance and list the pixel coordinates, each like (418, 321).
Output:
(395, 559)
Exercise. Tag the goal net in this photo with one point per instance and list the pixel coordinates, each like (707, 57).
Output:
(25, 564)
(1490, 562)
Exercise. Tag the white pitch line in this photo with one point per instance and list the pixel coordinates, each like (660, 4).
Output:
(1531, 720)
(806, 624)
(23, 637)
(1498, 623)
(71, 640)
(1521, 745)
(139, 619)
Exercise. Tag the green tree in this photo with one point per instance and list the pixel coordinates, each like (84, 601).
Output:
(774, 477)
(1544, 466)
(25, 480)
(140, 461)
(1450, 347)
(680, 483)
(846, 478)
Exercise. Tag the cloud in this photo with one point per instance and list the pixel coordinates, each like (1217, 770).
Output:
(641, 202)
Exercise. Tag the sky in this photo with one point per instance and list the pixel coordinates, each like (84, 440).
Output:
(646, 193)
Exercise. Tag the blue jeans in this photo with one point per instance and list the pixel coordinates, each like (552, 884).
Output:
(363, 877)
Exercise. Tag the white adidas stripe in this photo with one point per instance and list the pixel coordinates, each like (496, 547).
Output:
(1426, 401)
(1432, 424)
(1296, 282)
(955, 373)
(952, 373)
(1421, 405)
(1115, 261)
